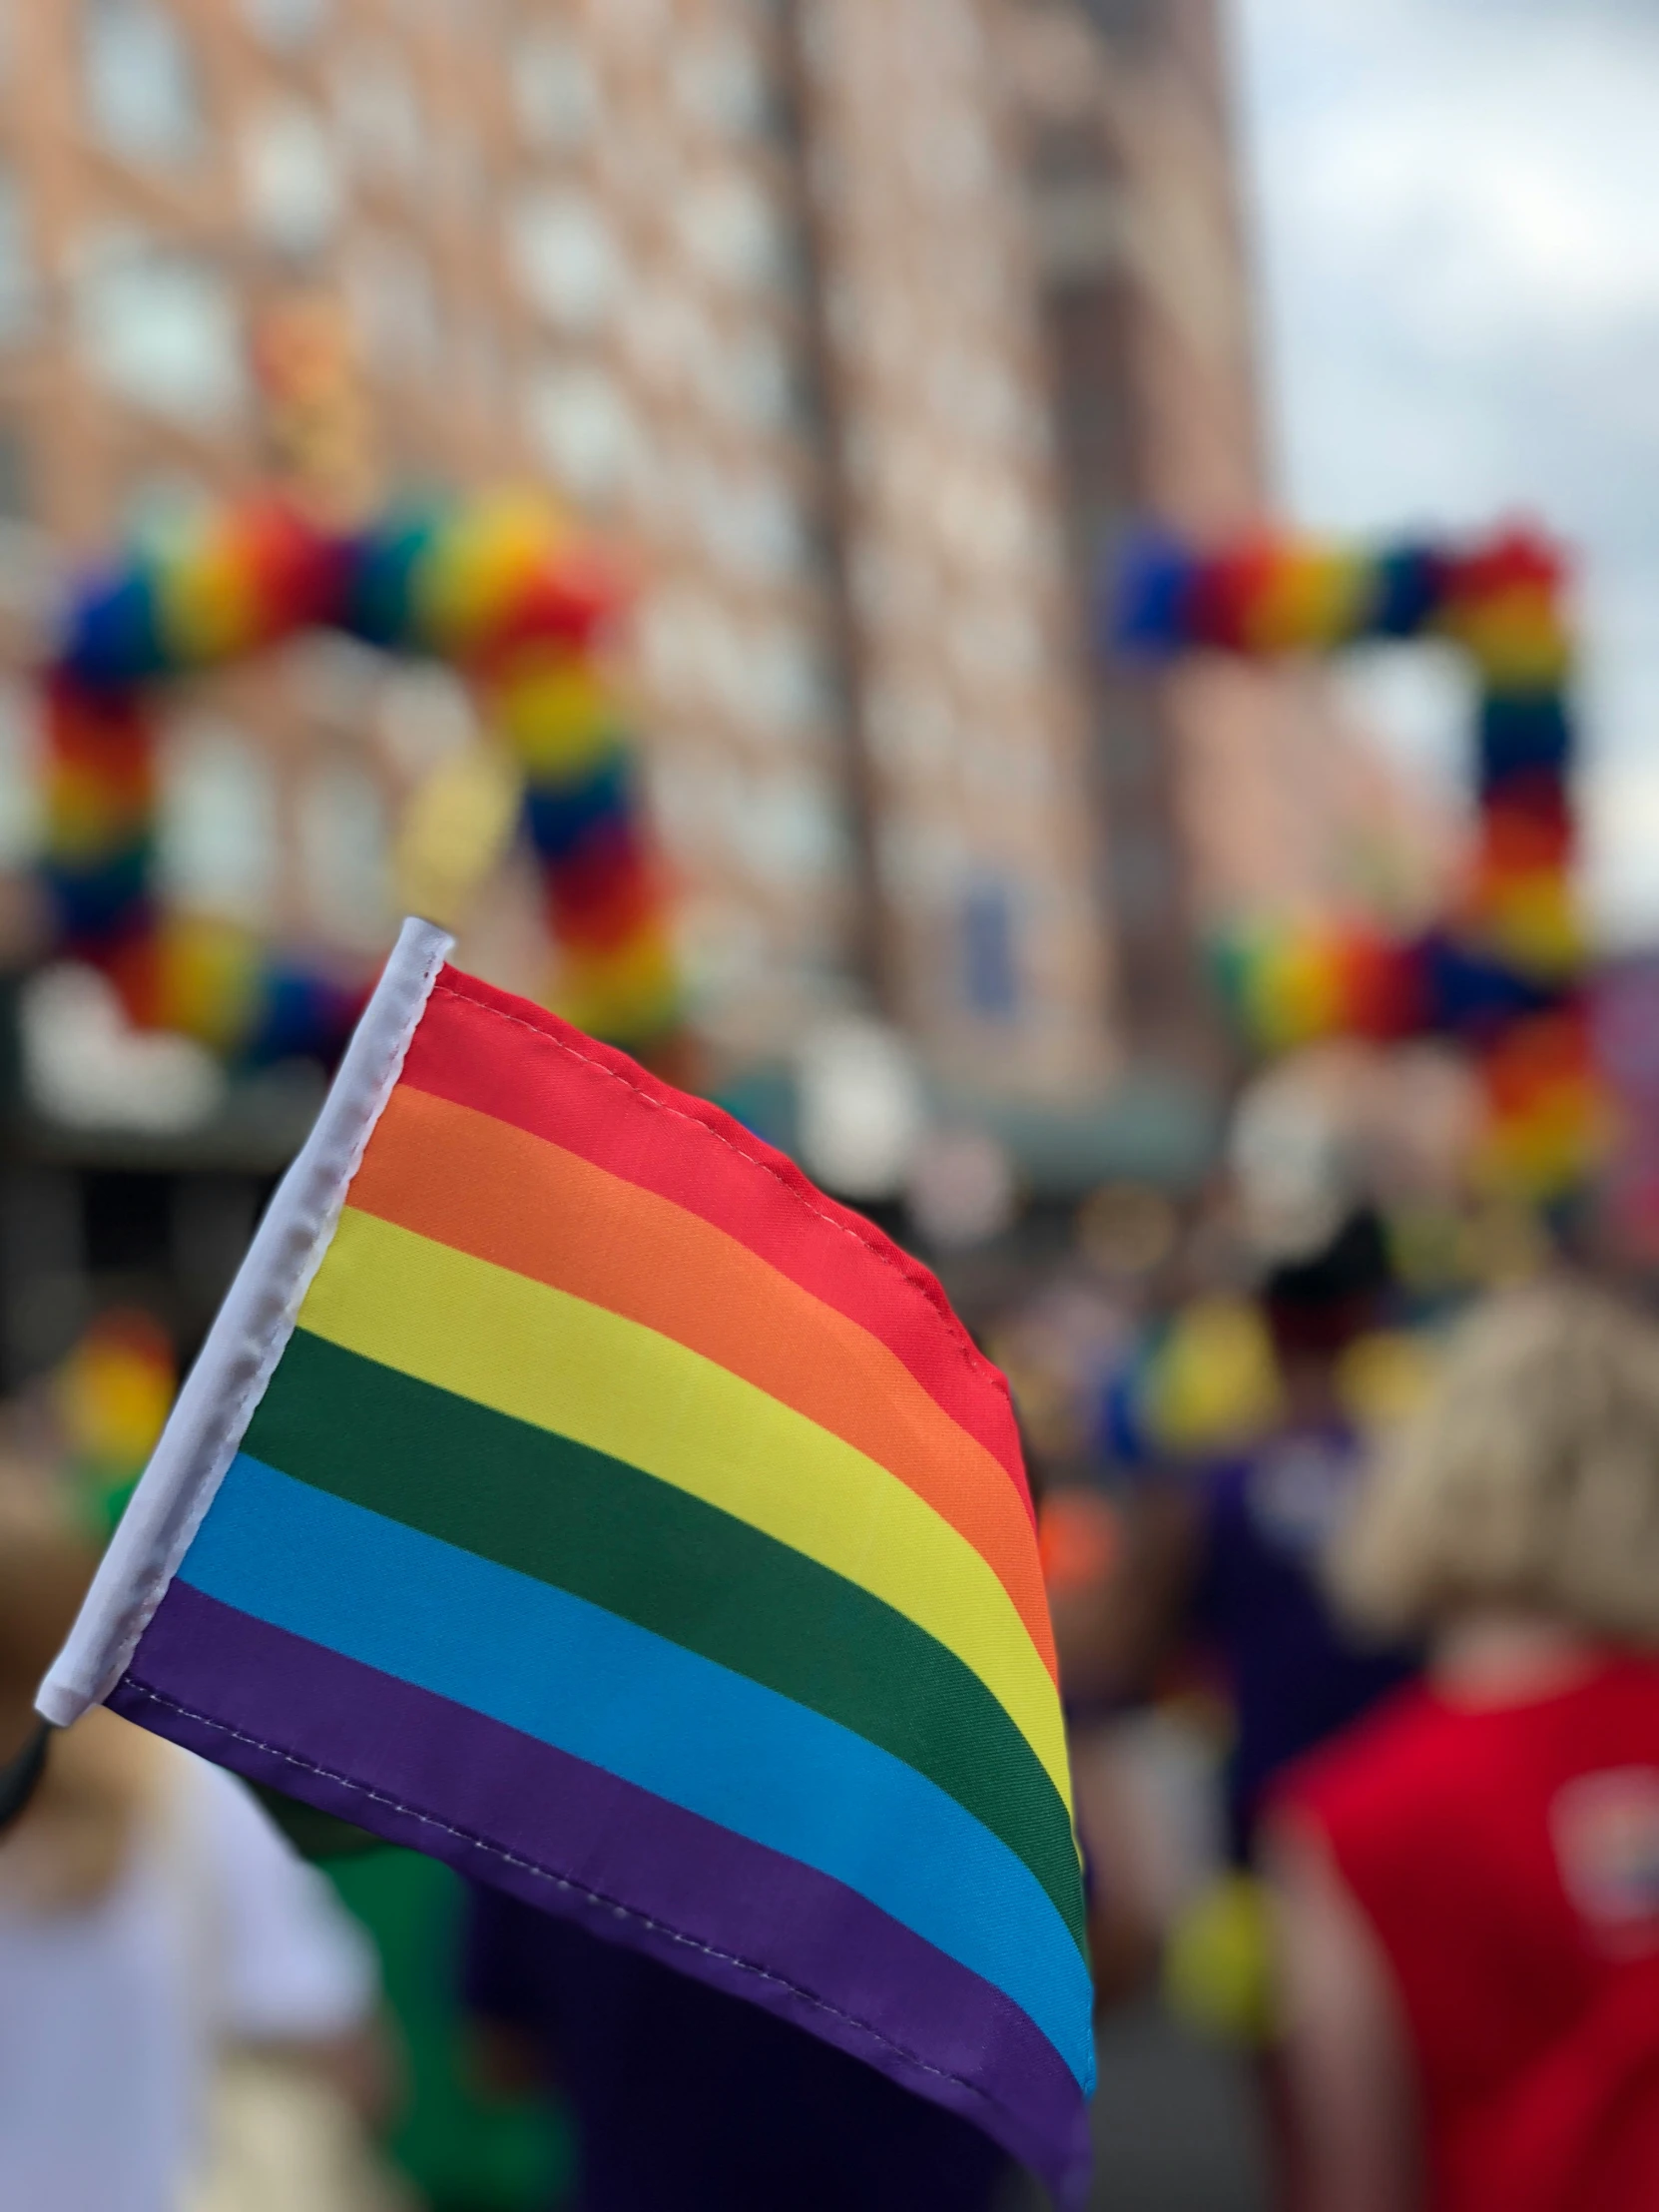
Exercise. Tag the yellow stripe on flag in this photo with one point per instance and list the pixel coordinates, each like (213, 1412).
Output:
(557, 1362)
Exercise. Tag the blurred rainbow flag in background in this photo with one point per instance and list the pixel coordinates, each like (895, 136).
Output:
(569, 1490)
(112, 1395)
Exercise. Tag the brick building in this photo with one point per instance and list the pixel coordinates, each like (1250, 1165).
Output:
(1221, 789)
(677, 261)
(861, 326)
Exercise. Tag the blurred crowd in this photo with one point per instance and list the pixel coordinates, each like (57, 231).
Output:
(1349, 1502)
(867, 333)
(1348, 1525)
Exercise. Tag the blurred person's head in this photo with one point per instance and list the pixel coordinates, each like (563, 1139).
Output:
(1528, 1483)
(1318, 1304)
(71, 1842)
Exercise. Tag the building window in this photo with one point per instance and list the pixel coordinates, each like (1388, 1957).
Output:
(1141, 875)
(759, 385)
(16, 496)
(730, 225)
(790, 829)
(922, 862)
(583, 430)
(393, 305)
(143, 97)
(670, 337)
(555, 91)
(689, 648)
(719, 82)
(788, 681)
(379, 115)
(680, 808)
(22, 812)
(564, 257)
(345, 856)
(991, 965)
(291, 177)
(159, 329)
(219, 849)
(751, 522)
(286, 24)
(1129, 23)
(17, 264)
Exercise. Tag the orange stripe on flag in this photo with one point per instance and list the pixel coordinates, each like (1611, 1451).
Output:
(485, 1187)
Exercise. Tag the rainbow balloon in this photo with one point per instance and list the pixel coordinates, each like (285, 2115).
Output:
(497, 588)
(1505, 973)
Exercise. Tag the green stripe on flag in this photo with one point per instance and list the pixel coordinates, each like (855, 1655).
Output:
(616, 1537)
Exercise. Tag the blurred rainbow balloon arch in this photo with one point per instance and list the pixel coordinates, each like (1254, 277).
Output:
(500, 590)
(1505, 971)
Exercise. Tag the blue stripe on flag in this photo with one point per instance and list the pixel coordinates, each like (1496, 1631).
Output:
(606, 1691)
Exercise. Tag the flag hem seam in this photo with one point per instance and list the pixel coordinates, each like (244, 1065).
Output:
(255, 1322)
(610, 1904)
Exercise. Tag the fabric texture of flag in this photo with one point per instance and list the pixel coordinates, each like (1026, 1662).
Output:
(569, 1490)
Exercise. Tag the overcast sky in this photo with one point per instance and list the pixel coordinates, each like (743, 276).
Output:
(1457, 208)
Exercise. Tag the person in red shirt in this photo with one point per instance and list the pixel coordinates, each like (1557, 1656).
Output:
(1466, 1882)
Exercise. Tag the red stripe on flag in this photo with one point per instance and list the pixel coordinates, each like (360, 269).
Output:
(502, 1055)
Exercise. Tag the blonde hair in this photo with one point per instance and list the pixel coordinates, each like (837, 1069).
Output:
(1528, 1479)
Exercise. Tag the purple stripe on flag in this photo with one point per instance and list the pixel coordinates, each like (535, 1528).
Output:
(567, 1837)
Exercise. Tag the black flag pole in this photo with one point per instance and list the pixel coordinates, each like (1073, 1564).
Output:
(21, 1776)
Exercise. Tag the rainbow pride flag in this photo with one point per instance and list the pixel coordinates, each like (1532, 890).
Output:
(569, 1490)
